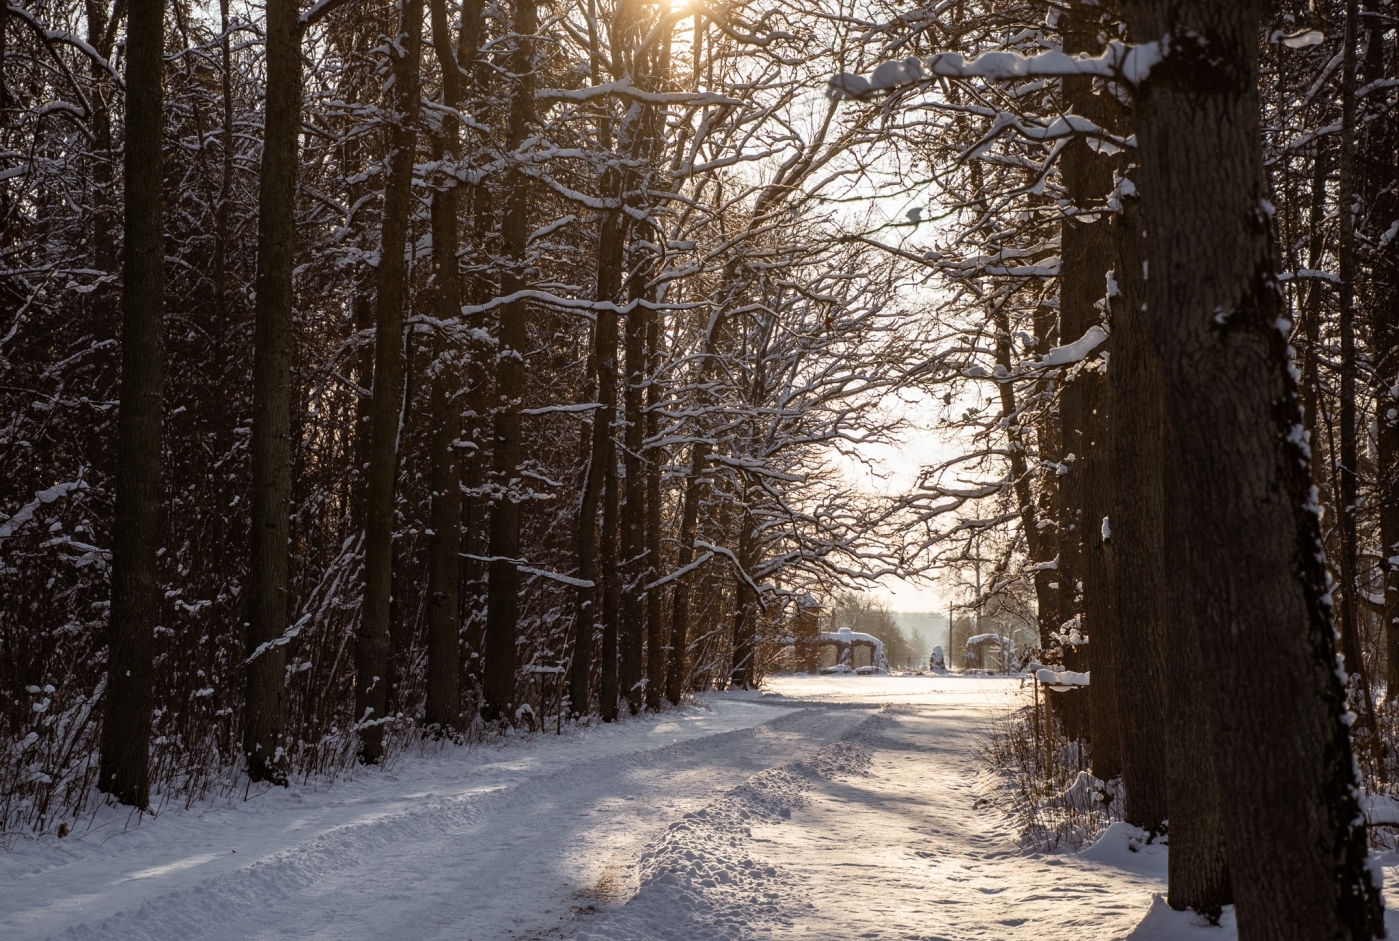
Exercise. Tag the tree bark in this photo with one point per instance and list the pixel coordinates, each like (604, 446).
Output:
(1197, 865)
(1255, 582)
(609, 688)
(271, 439)
(1347, 478)
(1086, 255)
(1136, 549)
(386, 408)
(634, 515)
(443, 706)
(124, 767)
(1380, 157)
(655, 630)
(503, 586)
(677, 668)
(745, 601)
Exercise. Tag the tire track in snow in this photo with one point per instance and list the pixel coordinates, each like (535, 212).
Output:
(699, 879)
(449, 866)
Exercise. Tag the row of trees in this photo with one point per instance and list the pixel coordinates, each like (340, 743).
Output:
(1171, 263)
(364, 366)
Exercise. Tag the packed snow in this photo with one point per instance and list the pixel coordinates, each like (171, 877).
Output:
(822, 807)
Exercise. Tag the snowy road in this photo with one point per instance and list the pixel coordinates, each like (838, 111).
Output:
(838, 807)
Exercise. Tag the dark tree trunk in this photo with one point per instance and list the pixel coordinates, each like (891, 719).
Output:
(271, 439)
(634, 513)
(1256, 585)
(585, 600)
(443, 706)
(600, 473)
(372, 638)
(1347, 479)
(608, 689)
(503, 587)
(1086, 254)
(124, 770)
(1136, 549)
(1050, 594)
(695, 481)
(103, 219)
(1038, 547)
(1198, 870)
(1311, 310)
(655, 635)
(745, 605)
(1380, 155)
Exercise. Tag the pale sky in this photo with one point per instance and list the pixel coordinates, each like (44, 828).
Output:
(895, 469)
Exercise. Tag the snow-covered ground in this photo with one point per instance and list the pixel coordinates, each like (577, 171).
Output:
(822, 808)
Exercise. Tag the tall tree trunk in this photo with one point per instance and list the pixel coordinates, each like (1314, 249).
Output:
(608, 689)
(503, 588)
(655, 636)
(443, 706)
(1311, 309)
(372, 638)
(1346, 473)
(124, 769)
(1050, 590)
(1380, 154)
(745, 601)
(103, 219)
(585, 598)
(1136, 549)
(1086, 256)
(634, 515)
(1257, 588)
(271, 439)
(1039, 546)
(1198, 869)
(651, 456)
(695, 481)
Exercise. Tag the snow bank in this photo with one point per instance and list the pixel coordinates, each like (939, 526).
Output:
(1163, 923)
(1123, 846)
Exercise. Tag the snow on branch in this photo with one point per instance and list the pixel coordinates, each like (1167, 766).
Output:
(41, 498)
(1120, 60)
(1075, 352)
(626, 89)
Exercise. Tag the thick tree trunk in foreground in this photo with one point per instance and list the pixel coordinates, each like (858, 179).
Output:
(1136, 549)
(1198, 865)
(1292, 824)
(372, 639)
(271, 440)
(503, 580)
(124, 770)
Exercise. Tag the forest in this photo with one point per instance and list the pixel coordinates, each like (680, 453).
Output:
(380, 373)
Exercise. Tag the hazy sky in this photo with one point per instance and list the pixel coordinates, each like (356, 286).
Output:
(895, 469)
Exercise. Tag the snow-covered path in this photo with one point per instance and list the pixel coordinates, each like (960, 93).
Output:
(825, 808)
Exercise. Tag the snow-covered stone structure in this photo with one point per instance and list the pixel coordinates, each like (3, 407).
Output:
(845, 641)
(979, 645)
